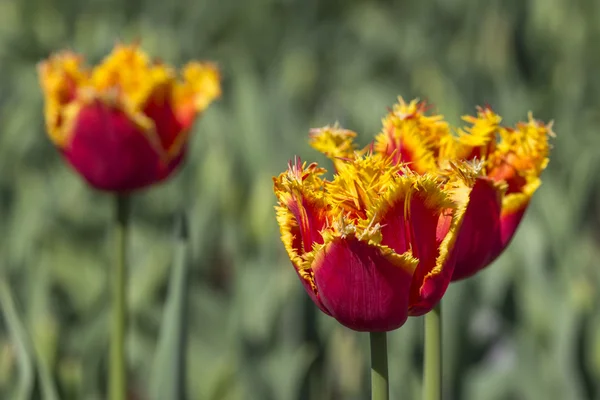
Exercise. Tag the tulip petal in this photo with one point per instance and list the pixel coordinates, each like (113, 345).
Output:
(479, 233)
(308, 283)
(301, 218)
(432, 275)
(159, 109)
(310, 217)
(412, 137)
(291, 237)
(513, 210)
(60, 77)
(361, 286)
(301, 204)
(111, 151)
(413, 219)
(509, 223)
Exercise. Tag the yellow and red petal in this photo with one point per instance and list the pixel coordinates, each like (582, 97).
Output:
(291, 237)
(298, 191)
(60, 77)
(310, 216)
(412, 137)
(362, 286)
(479, 233)
(415, 217)
(301, 215)
(200, 86)
(522, 154)
(152, 88)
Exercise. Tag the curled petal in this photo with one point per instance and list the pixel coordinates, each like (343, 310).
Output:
(364, 288)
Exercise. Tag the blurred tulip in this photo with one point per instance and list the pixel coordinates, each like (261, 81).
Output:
(124, 124)
(375, 244)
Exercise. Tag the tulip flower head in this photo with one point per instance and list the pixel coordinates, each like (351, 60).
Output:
(510, 162)
(421, 206)
(373, 245)
(124, 124)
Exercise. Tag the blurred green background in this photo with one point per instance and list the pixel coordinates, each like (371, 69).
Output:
(526, 328)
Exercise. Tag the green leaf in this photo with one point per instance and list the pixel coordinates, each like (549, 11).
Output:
(168, 377)
(20, 340)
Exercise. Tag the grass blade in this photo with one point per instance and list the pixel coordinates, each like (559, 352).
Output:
(169, 374)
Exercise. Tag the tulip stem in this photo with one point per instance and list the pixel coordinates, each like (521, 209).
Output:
(118, 365)
(379, 366)
(432, 370)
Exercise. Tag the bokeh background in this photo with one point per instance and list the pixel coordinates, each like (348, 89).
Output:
(526, 328)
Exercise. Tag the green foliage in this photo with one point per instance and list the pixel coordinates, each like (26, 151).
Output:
(527, 328)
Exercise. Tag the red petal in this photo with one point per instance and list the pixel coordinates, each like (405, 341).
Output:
(111, 152)
(395, 231)
(160, 110)
(360, 287)
(480, 230)
(509, 222)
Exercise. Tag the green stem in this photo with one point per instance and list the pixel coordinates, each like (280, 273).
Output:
(379, 366)
(432, 370)
(118, 365)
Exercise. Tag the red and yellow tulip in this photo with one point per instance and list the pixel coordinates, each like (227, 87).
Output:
(372, 246)
(400, 219)
(124, 124)
(510, 161)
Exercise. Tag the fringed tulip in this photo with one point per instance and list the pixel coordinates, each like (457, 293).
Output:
(124, 124)
(509, 162)
(375, 244)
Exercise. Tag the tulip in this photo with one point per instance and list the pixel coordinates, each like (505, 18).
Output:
(124, 124)
(508, 161)
(373, 245)
(469, 190)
